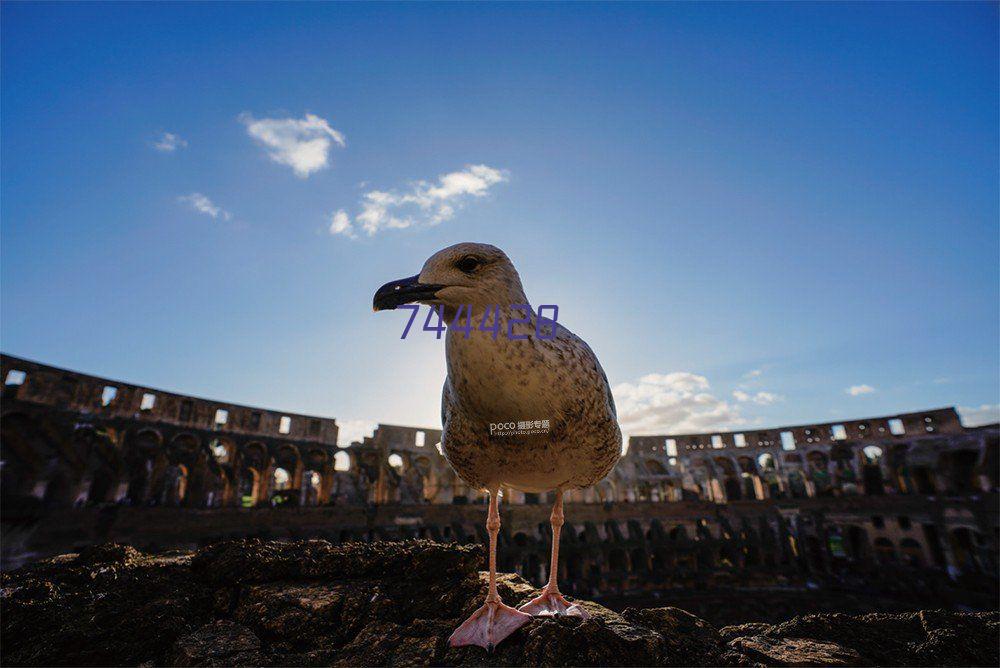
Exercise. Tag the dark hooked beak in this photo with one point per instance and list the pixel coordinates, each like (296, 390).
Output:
(403, 291)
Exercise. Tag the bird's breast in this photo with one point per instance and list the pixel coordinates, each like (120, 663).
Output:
(503, 379)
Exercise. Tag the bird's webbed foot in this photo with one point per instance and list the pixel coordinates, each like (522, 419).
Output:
(488, 626)
(553, 604)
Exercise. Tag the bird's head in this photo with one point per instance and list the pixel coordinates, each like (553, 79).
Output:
(468, 273)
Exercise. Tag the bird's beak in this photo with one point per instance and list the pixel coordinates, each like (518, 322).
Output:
(404, 291)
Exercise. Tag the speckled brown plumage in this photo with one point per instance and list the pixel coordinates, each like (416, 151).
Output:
(503, 380)
(522, 372)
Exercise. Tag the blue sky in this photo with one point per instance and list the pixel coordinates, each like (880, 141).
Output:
(747, 210)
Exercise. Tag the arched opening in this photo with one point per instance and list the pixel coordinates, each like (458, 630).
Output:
(23, 464)
(341, 461)
(140, 457)
(814, 553)
(222, 451)
(797, 484)
(911, 552)
(753, 488)
(819, 473)
(885, 551)
(964, 550)
(662, 561)
(857, 543)
(872, 479)
(249, 487)
(104, 469)
(640, 561)
(311, 484)
(923, 479)
(175, 482)
(617, 561)
(960, 471)
(731, 481)
(845, 477)
(60, 488)
(101, 486)
(768, 468)
(281, 487)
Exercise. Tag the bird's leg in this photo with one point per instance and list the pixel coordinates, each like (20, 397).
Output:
(494, 621)
(551, 602)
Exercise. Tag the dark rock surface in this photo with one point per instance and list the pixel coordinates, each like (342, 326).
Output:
(311, 603)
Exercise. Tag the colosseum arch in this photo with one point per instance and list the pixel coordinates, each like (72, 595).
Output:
(607, 491)
(315, 478)
(844, 468)
(871, 460)
(818, 467)
(960, 468)
(885, 551)
(184, 448)
(254, 463)
(104, 470)
(145, 461)
(29, 457)
(797, 481)
(753, 488)
(223, 450)
(730, 478)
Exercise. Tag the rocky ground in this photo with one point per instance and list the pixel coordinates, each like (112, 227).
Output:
(310, 603)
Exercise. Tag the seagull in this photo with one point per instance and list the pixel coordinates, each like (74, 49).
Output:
(508, 368)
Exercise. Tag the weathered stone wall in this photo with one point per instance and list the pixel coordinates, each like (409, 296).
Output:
(915, 491)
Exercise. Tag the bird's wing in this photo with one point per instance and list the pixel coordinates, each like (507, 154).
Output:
(589, 366)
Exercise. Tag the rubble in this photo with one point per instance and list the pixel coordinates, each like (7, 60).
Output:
(309, 603)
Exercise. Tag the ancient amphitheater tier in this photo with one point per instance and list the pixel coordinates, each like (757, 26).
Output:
(87, 459)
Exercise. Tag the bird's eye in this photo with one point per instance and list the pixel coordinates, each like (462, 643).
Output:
(467, 264)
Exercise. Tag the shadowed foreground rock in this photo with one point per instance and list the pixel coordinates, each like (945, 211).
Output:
(310, 603)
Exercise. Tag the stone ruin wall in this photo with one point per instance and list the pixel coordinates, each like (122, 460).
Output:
(911, 491)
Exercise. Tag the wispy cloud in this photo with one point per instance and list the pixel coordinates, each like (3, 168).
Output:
(168, 142)
(976, 416)
(672, 403)
(203, 204)
(760, 398)
(858, 390)
(340, 223)
(753, 373)
(300, 143)
(422, 204)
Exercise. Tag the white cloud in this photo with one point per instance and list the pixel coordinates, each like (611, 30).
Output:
(985, 414)
(760, 398)
(425, 203)
(168, 142)
(202, 203)
(753, 373)
(858, 390)
(767, 398)
(350, 431)
(340, 223)
(300, 143)
(672, 403)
